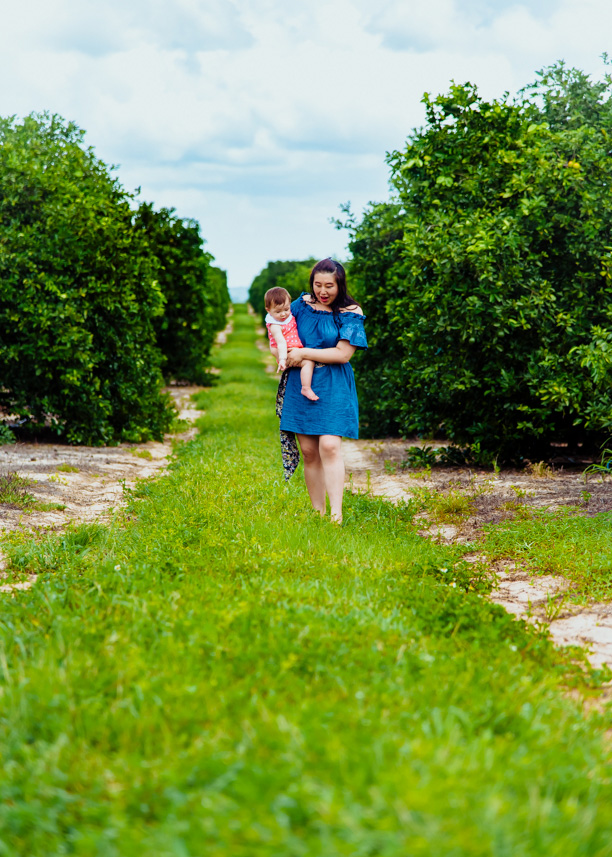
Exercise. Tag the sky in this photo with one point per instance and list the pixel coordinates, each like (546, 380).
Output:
(259, 118)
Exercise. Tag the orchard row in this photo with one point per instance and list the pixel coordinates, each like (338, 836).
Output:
(102, 298)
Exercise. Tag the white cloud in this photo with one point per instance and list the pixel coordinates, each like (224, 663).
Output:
(259, 117)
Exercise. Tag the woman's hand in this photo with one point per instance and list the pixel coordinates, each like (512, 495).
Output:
(294, 357)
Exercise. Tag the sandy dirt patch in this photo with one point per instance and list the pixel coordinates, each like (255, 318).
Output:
(85, 483)
(73, 484)
(375, 466)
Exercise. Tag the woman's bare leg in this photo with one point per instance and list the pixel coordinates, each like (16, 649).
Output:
(313, 470)
(330, 452)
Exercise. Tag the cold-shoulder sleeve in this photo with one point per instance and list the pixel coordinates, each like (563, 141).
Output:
(352, 328)
(297, 305)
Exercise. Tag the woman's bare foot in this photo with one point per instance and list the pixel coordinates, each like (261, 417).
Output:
(307, 391)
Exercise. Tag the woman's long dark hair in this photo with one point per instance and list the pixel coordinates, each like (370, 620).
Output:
(329, 266)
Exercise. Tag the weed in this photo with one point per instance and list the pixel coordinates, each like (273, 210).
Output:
(448, 508)
(39, 506)
(521, 493)
(603, 468)
(420, 456)
(13, 490)
(444, 508)
(59, 480)
(554, 606)
(179, 426)
(540, 470)
(518, 508)
(390, 467)
(424, 473)
(67, 468)
(142, 453)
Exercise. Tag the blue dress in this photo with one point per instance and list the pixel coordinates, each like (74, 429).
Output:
(336, 411)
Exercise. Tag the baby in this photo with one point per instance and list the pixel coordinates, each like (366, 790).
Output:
(283, 333)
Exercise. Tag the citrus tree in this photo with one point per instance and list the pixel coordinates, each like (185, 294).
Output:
(78, 291)
(196, 295)
(487, 279)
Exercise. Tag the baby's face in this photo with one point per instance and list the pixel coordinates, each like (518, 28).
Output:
(280, 312)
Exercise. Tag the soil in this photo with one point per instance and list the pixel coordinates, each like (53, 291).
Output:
(84, 482)
(376, 466)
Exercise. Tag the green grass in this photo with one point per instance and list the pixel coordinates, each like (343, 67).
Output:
(13, 489)
(450, 507)
(14, 494)
(222, 673)
(142, 453)
(560, 542)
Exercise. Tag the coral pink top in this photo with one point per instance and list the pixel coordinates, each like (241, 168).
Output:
(290, 332)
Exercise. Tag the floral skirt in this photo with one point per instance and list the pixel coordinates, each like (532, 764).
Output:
(289, 448)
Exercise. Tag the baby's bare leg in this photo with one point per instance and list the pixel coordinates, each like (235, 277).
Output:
(306, 379)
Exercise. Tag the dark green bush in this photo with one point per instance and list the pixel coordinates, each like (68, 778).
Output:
(487, 280)
(289, 275)
(218, 292)
(196, 294)
(78, 292)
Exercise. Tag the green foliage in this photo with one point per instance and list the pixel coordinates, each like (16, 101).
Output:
(222, 672)
(568, 98)
(6, 435)
(219, 297)
(13, 489)
(78, 292)
(293, 276)
(487, 280)
(196, 295)
(377, 250)
(421, 456)
(603, 467)
(448, 456)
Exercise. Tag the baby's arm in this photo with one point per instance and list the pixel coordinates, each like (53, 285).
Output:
(276, 331)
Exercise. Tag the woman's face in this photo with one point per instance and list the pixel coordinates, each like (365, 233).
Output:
(325, 288)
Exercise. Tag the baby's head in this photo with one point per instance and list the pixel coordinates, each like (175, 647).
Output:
(278, 303)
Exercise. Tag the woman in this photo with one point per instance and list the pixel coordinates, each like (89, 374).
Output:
(330, 325)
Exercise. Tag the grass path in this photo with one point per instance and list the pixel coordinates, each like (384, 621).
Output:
(222, 673)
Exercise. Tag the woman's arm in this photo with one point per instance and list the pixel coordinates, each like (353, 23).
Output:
(341, 353)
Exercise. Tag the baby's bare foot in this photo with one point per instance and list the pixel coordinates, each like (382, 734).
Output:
(307, 391)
